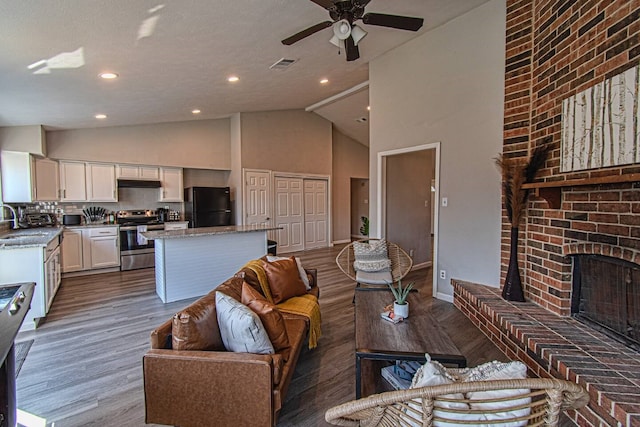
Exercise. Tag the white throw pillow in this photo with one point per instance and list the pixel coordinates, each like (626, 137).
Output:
(240, 328)
(500, 371)
(301, 271)
(432, 373)
(371, 256)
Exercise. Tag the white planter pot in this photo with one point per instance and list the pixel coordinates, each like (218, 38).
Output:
(401, 310)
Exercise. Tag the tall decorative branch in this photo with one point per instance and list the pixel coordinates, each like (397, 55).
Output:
(516, 173)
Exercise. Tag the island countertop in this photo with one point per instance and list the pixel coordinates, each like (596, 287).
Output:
(205, 231)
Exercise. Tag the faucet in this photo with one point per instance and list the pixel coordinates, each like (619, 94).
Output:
(15, 216)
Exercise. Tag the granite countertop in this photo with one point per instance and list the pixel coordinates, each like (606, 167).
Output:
(205, 231)
(29, 237)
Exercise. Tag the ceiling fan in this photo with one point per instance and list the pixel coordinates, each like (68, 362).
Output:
(347, 35)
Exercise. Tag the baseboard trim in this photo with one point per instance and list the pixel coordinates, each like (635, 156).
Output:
(444, 297)
(89, 272)
(339, 242)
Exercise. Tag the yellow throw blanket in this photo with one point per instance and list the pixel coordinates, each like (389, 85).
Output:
(305, 305)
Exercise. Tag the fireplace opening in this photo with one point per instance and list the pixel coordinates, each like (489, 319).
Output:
(606, 296)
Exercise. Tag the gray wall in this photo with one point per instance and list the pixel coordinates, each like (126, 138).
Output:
(194, 144)
(286, 141)
(359, 204)
(408, 204)
(448, 86)
(29, 139)
(350, 160)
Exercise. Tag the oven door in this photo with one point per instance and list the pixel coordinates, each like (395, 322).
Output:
(132, 240)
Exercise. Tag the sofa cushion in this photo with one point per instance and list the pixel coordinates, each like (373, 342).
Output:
(232, 287)
(284, 279)
(196, 327)
(297, 331)
(271, 318)
(303, 274)
(240, 328)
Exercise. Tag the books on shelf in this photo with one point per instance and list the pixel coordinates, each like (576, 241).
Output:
(400, 374)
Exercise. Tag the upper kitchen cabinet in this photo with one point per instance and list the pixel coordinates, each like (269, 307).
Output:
(73, 181)
(172, 189)
(137, 172)
(26, 178)
(101, 182)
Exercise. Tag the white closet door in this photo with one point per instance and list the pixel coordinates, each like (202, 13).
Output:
(257, 198)
(316, 216)
(289, 214)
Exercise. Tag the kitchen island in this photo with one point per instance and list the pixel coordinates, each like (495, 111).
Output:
(192, 262)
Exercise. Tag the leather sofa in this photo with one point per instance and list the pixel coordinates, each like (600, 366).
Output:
(190, 388)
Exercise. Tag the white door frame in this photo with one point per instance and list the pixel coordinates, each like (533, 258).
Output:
(382, 200)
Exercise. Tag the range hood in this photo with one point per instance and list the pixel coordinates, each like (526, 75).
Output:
(138, 183)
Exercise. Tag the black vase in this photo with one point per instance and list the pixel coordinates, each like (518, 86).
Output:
(512, 289)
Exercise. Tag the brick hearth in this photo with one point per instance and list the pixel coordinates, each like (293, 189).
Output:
(560, 347)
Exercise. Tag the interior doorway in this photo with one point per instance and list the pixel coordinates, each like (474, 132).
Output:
(359, 208)
(408, 182)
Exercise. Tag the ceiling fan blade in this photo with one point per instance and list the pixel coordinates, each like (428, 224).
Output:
(351, 49)
(393, 21)
(306, 33)
(327, 4)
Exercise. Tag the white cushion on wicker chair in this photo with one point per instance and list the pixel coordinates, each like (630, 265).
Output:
(371, 256)
(374, 277)
(499, 371)
(433, 373)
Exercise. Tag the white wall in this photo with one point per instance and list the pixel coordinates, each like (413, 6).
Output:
(448, 85)
(29, 139)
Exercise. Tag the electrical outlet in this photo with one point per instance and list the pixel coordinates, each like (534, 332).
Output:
(411, 253)
(443, 274)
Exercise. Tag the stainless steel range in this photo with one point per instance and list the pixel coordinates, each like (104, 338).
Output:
(136, 251)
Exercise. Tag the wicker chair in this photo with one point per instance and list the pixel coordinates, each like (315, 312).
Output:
(415, 407)
(401, 262)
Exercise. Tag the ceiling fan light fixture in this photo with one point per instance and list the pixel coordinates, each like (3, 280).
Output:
(342, 29)
(337, 42)
(358, 34)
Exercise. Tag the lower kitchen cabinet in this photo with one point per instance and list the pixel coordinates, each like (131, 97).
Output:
(37, 264)
(90, 249)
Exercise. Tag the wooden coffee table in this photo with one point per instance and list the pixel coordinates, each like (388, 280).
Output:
(379, 341)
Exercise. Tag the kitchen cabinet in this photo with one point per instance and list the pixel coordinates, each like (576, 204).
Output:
(101, 182)
(171, 181)
(90, 249)
(177, 225)
(72, 251)
(52, 272)
(27, 179)
(93, 182)
(138, 172)
(73, 182)
(38, 264)
(104, 250)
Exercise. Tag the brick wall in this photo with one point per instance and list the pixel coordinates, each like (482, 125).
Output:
(555, 49)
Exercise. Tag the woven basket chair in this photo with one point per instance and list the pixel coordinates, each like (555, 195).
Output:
(401, 262)
(415, 407)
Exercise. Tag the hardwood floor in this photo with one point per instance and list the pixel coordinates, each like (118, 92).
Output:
(84, 368)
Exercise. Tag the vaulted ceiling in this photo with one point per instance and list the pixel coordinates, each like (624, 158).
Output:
(174, 56)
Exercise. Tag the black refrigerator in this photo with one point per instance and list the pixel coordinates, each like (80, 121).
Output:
(207, 206)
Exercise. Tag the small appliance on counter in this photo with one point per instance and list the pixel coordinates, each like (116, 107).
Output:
(71, 219)
(37, 219)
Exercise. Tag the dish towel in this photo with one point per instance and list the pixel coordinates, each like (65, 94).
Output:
(141, 239)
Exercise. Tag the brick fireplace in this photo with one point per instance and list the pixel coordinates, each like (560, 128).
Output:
(554, 50)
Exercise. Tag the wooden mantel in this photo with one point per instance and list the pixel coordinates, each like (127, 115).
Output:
(551, 191)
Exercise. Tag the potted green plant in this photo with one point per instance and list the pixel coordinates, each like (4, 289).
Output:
(401, 305)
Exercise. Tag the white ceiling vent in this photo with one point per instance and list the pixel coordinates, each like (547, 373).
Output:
(282, 64)
(362, 120)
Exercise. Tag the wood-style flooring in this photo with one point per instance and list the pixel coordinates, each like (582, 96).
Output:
(85, 365)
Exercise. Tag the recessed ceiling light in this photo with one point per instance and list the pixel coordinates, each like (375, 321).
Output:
(233, 79)
(108, 76)
(196, 111)
(324, 81)
(101, 116)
